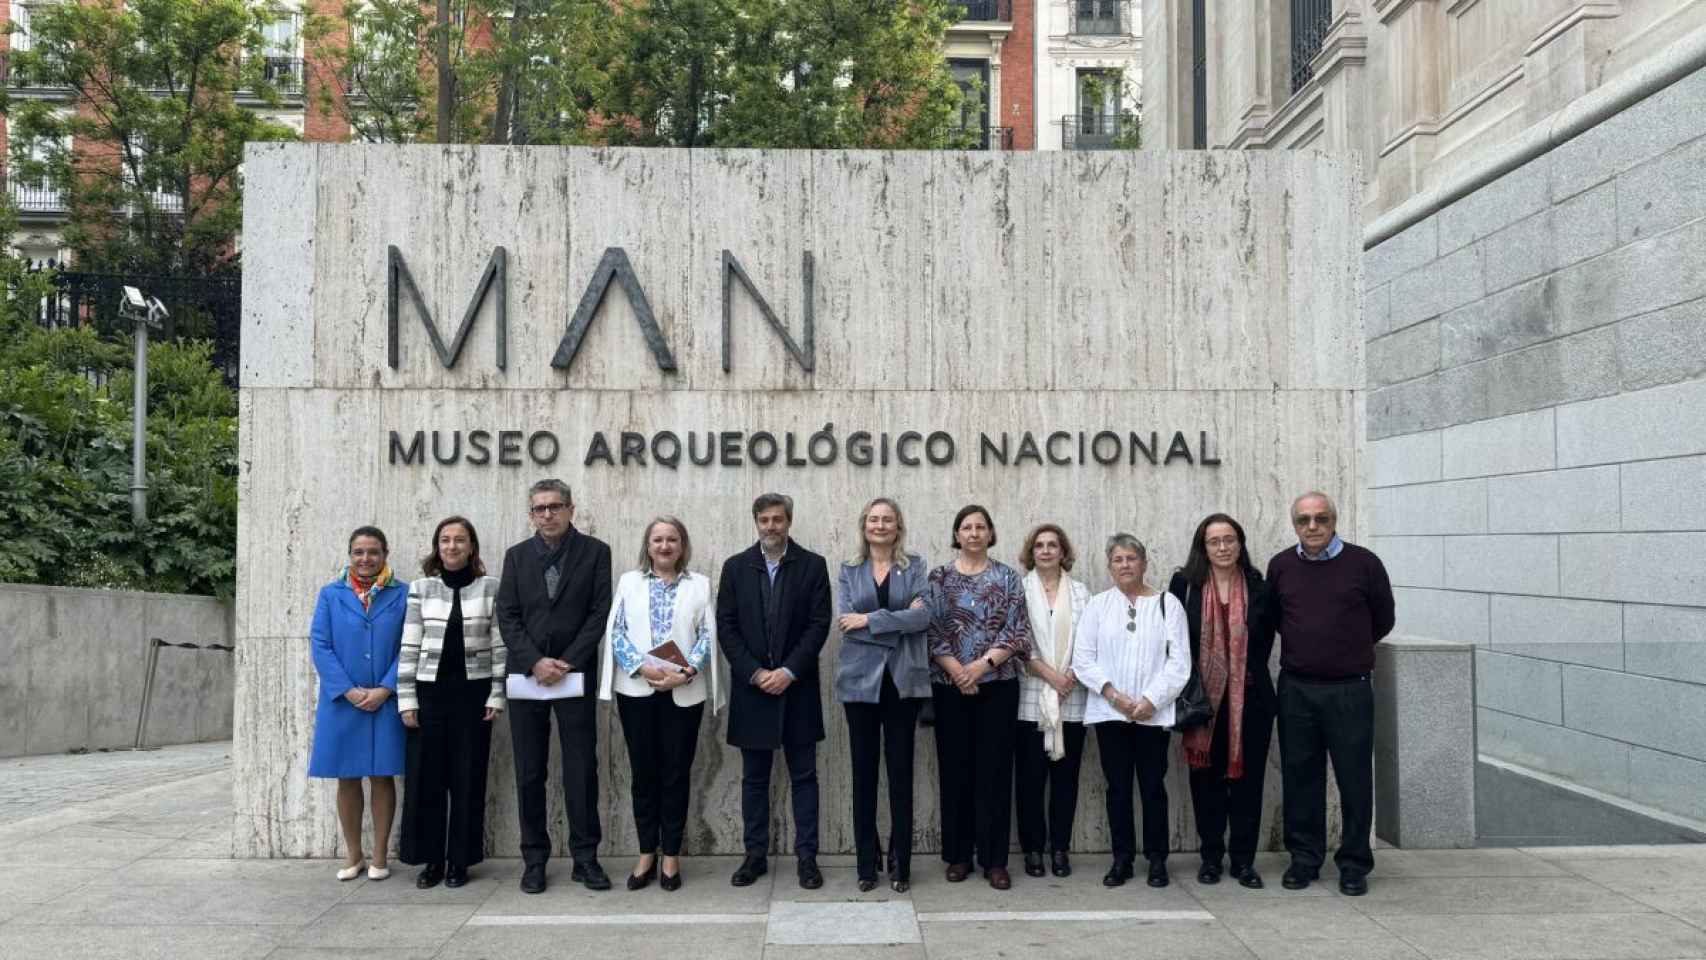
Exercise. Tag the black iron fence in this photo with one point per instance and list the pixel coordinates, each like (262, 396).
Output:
(1099, 131)
(285, 73)
(1000, 11)
(1102, 18)
(199, 308)
(1310, 22)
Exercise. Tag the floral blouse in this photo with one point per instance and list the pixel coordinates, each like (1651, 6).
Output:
(972, 615)
(661, 601)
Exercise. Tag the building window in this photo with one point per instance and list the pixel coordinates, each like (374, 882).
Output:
(972, 77)
(1102, 121)
(1310, 21)
(1199, 74)
(281, 48)
(21, 39)
(984, 11)
(37, 196)
(1105, 18)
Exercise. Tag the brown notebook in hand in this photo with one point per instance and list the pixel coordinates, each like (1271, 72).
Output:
(670, 653)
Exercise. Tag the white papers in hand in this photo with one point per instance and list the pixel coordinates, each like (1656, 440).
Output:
(523, 686)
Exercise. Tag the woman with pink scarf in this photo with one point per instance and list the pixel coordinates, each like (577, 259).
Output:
(1230, 642)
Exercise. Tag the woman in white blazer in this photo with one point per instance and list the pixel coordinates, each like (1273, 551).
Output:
(1132, 653)
(660, 689)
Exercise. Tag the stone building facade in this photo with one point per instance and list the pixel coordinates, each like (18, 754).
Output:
(1535, 307)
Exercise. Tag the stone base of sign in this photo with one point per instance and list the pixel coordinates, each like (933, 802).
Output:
(1424, 743)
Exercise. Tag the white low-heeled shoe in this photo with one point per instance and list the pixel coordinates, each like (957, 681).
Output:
(378, 873)
(351, 872)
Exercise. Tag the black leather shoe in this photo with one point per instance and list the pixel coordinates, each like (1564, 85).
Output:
(900, 885)
(455, 876)
(957, 872)
(1033, 865)
(1118, 874)
(867, 884)
(590, 875)
(1209, 873)
(533, 878)
(1353, 883)
(640, 881)
(1298, 878)
(1158, 873)
(1247, 876)
(669, 882)
(429, 877)
(810, 876)
(999, 878)
(749, 871)
(1062, 865)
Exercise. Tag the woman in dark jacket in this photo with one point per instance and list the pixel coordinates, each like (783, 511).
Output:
(1231, 639)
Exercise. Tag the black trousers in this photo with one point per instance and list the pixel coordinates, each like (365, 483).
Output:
(1127, 749)
(1034, 775)
(662, 739)
(577, 738)
(1318, 721)
(974, 752)
(444, 779)
(1221, 803)
(885, 730)
(755, 797)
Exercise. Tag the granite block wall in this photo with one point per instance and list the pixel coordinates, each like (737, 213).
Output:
(1537, 426)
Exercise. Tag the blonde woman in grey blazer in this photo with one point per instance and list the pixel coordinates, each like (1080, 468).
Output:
(882, 677)
(450, 686)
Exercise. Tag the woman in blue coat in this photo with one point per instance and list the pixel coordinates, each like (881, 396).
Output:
(357, 632)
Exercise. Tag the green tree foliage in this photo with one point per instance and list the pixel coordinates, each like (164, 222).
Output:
(728, 73)
(65, 429)
(148, 157)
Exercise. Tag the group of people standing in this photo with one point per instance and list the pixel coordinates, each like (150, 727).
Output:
(1015, 667)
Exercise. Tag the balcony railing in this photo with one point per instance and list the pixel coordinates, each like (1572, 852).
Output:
(1310, 22)
(36, 198)
(1102, 18)
(1098, 131)
(985, 11)
(983, 138)
(285, 73)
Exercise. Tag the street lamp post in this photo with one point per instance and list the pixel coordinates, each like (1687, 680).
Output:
(143, 312)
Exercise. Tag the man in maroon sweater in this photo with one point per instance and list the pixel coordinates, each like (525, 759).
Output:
(1332, 602)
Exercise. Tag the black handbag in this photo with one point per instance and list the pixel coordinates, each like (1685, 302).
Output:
(1192, 709)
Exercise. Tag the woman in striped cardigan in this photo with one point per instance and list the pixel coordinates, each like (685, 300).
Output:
(450, 687)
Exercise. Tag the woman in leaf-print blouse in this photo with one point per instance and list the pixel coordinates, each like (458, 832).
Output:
(979, 637)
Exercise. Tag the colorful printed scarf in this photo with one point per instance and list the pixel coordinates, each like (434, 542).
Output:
(365, 589)
(1222, 656)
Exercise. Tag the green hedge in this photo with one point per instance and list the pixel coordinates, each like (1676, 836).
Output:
(65, 462)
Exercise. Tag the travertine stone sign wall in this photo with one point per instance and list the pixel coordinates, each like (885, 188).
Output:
(1212, 295)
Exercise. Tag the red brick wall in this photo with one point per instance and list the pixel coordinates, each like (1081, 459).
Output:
(319, 123)
(1018, 74)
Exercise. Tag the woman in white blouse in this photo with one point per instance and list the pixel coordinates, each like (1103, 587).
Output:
(660, 662)
(1132, 653)
(1049, 743)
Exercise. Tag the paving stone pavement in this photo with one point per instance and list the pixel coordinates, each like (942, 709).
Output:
(135, 866)
(32, 786)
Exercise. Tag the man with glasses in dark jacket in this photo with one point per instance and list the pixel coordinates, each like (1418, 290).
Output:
(553, 599)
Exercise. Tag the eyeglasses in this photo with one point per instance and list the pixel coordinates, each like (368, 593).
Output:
(545, 509)
(1131, 621)
(1219, 543)
(1318, 519)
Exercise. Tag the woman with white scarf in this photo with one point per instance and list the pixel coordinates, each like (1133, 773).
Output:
(1049, 741)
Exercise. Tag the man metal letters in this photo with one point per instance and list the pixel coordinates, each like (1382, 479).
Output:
(613, 266)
